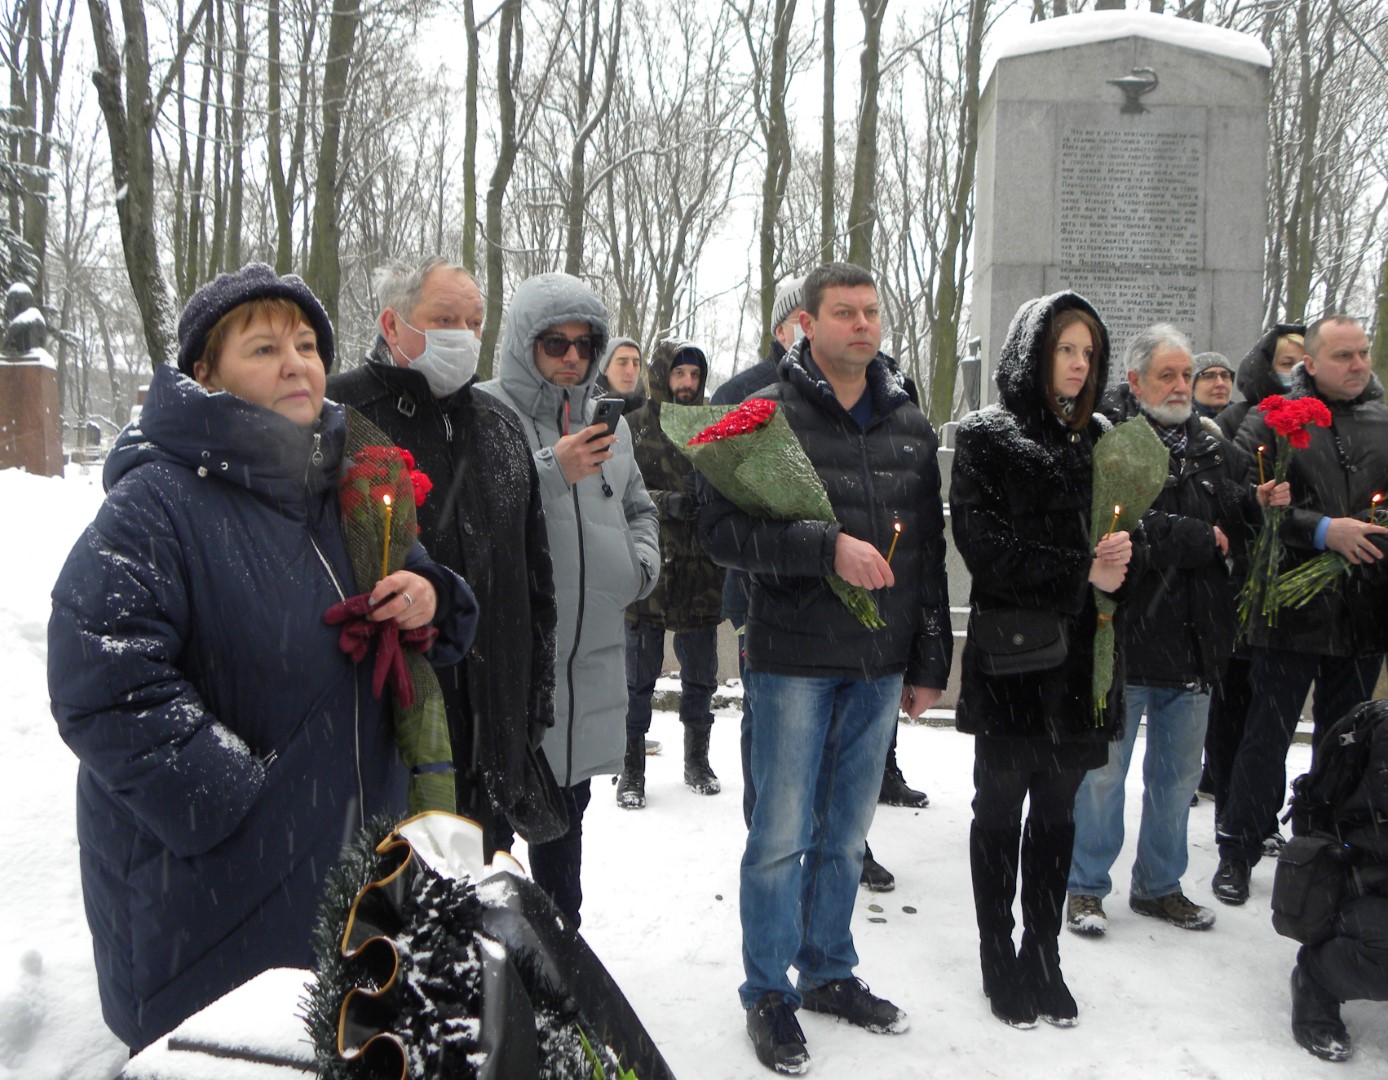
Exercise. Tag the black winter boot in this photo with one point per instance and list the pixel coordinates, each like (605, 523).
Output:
(993, 864)
(1046, 851)
(895, 790)
(1316, 1023)
(698, 776)
(875, 877)
(631, 786)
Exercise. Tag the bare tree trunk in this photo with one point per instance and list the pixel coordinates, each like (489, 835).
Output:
(510, 50)
(949, 289)
(1380, 327)
(324, 266)
(576, 203)
(237, 149)
(862, 207)
(1301, 220)
(826, 158)
(469, 253)
(129, 126)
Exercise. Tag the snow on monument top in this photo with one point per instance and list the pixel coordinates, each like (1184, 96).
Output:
(1096, 26)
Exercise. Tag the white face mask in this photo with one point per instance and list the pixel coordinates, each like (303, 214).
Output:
(449, 359)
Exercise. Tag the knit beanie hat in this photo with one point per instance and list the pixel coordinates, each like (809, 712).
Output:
(254, 281)
(790, 296)
(1202, 362)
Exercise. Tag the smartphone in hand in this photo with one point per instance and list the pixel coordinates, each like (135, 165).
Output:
(608, 411)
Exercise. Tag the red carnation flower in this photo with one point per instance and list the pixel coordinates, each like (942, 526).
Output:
(1292, 417)
(750, 415)
(422, 486)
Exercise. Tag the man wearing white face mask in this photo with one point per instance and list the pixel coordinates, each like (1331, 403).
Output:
(417, 385)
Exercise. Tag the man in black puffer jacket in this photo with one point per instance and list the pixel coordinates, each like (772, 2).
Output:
(1337, 640)
(1179, 633)
(825, 689)
(417, 385)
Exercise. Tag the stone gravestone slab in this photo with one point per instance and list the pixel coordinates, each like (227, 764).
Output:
(31, 436)
(1124, 155)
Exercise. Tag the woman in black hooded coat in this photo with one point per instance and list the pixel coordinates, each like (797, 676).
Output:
(1020, 508)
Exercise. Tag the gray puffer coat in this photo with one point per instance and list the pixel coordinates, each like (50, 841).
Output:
(603, 531)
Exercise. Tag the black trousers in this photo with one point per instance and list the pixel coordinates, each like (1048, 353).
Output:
(1353, 965)
(556, 865)
(1005, 773)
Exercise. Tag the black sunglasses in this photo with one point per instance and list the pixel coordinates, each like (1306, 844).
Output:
(556, 346)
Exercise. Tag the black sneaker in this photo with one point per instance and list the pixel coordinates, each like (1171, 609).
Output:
(1316, 1024)
(851, 1000)
(897, 792)
(776, 1035)
(875, 877)
(1230, 883)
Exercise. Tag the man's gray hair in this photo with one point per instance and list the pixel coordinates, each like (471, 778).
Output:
(399, 283)
(1138, 355)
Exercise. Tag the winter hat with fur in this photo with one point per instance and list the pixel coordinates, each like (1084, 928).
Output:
(790, 296)
(1202, 362)
(254, 281)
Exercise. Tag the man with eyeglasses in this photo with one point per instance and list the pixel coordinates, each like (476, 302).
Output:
(603, 539)
(484, 519)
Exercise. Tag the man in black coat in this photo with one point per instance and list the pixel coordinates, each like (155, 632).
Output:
(1337, 640)
(825, 689)
(485, 515)
(1178, 636)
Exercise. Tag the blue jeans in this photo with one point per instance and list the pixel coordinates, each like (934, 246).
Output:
(697, 653)
(818, 749)
(1170, 771)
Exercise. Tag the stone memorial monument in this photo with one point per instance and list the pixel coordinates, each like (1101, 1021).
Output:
(1124, 155)
(31, 436)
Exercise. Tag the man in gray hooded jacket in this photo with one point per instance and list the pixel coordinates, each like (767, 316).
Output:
(603, 539)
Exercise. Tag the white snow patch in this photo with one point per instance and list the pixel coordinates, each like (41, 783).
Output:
(1090, 27)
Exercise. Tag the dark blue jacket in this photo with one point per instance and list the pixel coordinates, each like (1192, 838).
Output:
(228, 748)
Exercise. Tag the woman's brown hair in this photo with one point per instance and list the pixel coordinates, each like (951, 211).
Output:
(1084, 402)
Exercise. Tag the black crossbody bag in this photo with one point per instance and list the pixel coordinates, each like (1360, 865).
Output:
(1018, 641)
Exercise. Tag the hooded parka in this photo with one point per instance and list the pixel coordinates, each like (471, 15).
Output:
(1020, 509)
(603, 531)
(227, 745)
(688, 595)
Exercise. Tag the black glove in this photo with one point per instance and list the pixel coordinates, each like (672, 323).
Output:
(681, 507)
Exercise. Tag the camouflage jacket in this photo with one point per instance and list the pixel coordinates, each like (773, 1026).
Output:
(688, 594)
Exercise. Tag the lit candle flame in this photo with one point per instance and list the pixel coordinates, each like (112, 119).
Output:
(385, 544)
(1261, 479)
(1373, 506)
(1114, 523)
(896, 529)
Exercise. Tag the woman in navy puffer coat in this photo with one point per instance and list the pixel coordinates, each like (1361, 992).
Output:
(228, 747)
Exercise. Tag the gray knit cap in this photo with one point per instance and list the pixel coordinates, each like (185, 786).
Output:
(1202, 362)
(254, 281)
(790, 296)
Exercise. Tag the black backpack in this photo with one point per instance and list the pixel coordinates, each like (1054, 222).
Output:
(1346, 790)
(1339, 817)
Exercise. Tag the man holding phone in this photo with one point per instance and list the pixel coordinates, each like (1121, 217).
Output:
(688, 598)
(603, 541)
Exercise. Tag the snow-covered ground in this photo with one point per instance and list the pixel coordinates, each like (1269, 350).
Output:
(661, 909)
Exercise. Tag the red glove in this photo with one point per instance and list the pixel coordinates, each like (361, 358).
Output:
(355, 640)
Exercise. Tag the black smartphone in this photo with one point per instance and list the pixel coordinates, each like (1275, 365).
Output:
(608, 411)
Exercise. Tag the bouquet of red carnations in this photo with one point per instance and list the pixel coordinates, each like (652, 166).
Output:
(378, 492)
(1291, 420)
(751, 455)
